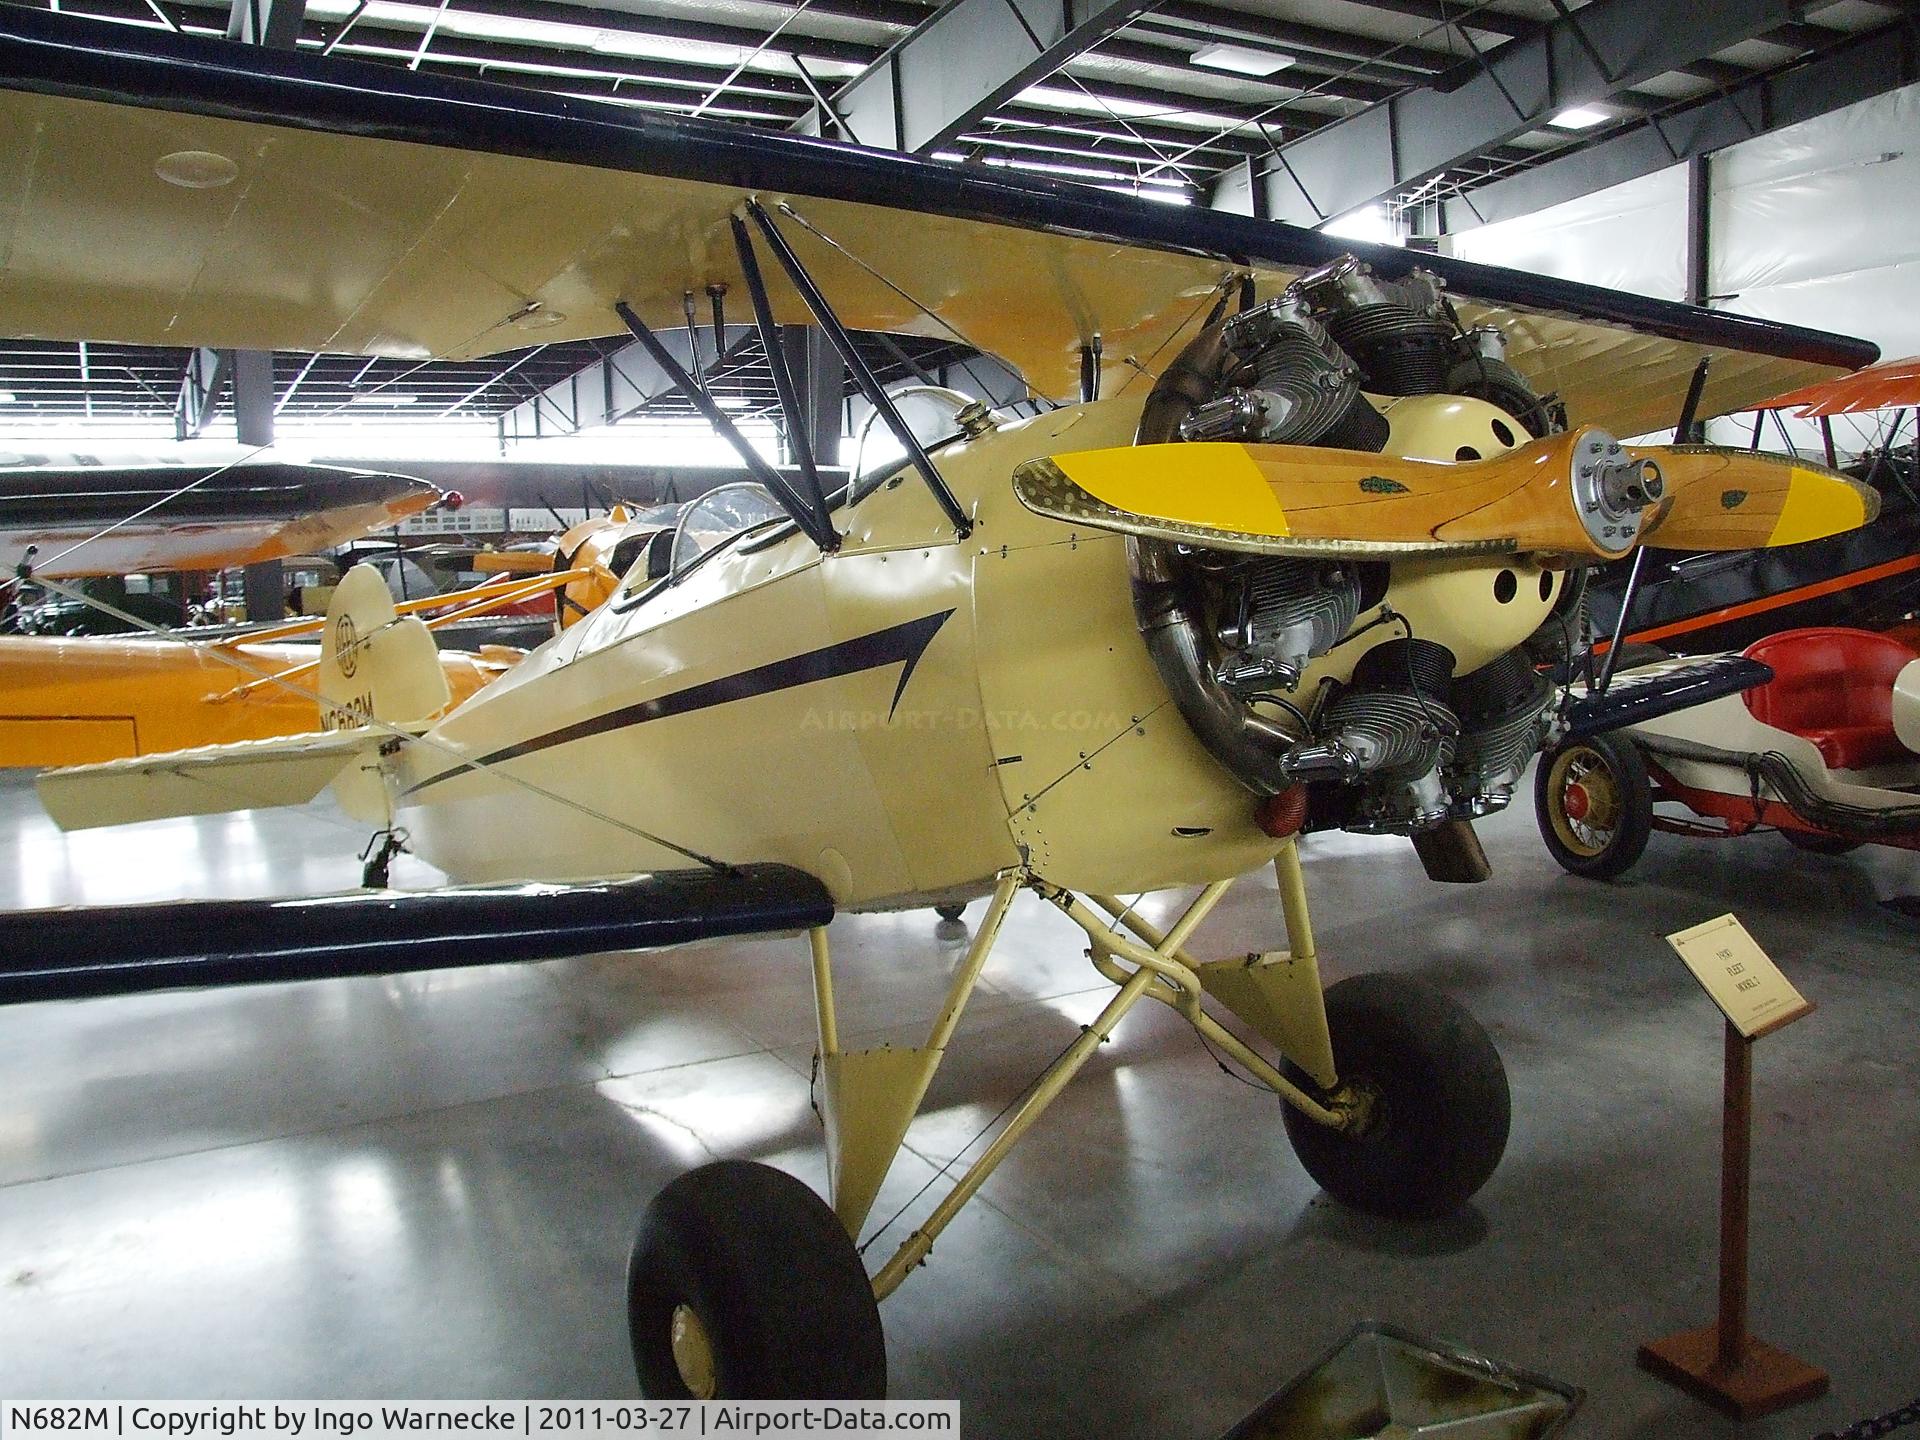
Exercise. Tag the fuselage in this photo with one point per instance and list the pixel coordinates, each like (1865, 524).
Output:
(904, 717)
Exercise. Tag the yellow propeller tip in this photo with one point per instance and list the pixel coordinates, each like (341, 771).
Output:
(1820, 503)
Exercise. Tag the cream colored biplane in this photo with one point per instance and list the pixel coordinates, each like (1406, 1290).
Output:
(1278, 570)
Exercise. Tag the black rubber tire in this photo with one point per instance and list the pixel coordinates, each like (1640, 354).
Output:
(950, 912)
(1821, 844)
(1627, 772)
(1442, 1109)
(768, 1269)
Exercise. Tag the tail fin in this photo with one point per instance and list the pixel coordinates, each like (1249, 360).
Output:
(374, 663)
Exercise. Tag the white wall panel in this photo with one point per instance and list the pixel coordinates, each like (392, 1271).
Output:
(1628, 237)
(1819, 224)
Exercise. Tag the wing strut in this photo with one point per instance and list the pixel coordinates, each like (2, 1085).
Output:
(1683, 433)
(811, 517)
(863, 374)
(798, 438)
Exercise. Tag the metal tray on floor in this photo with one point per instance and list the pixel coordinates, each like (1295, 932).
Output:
(1384, 1383)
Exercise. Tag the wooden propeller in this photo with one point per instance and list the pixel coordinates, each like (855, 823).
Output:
(1579, 493)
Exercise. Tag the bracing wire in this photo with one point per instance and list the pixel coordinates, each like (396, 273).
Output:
(925, 309)
(219, 651)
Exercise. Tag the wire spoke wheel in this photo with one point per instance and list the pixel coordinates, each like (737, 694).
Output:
(1594, 805)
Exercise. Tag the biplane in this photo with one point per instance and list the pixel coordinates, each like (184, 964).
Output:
(1276, 570)
(1694, 603)
(94, 697)
(63, 517)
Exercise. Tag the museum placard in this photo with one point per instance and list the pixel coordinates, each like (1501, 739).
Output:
(1739, 976)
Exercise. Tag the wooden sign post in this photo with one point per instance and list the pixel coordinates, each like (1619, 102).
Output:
(1721, 1363)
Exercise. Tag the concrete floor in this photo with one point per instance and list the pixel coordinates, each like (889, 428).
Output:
(426, 1186)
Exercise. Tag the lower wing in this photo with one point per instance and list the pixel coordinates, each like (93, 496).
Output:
(82, 951)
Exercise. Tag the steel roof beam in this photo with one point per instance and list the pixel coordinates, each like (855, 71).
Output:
(1174, 105)
(618, 22)
(1584, 56)
(1187, 17)
(1864, 65)
(1450, 12)
(747, 107)
(658, 79)
(968, 60)
(1347, 80)
(275, 23)
(1027, 120)
(1050, 142)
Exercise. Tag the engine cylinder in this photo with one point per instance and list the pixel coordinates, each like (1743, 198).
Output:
(1401, 747)
(1500, 708)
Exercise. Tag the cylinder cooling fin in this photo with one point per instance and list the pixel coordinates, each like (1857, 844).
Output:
(1404, 744)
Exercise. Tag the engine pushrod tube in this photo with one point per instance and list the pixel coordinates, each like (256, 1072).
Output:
(863, 375)
(812, 522)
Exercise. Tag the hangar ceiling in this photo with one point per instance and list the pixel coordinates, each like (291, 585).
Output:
(123, 388)
(1436, 110)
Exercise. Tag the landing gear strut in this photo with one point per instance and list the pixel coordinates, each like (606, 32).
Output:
(744, 1283)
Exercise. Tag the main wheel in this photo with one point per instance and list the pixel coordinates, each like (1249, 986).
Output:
(1436, 1105)
(744, 1286)
(1594, 804)
(1821, 844)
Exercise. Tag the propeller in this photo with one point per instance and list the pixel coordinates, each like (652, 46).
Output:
(1580, 493)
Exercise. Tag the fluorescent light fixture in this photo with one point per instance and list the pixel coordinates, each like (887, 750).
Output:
(1580, 117)
(733, 402)
(1064, 97)
(1165, 197)
(6, 397)
(1241, 59)
(383, 397)
(638, 45)
(1370, 222)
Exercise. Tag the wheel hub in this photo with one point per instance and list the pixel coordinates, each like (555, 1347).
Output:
(1576, 803)
(1359, 1100)
(693, 1354)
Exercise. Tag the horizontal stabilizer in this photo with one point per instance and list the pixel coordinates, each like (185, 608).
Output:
(77, 952)
(246, 775)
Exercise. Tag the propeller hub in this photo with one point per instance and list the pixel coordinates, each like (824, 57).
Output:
(1612, 489)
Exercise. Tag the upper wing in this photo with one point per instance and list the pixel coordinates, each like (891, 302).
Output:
(1894, 385)
(80, 951)
(362, 208)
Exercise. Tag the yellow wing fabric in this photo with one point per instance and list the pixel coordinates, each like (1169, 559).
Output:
(356, 245)
(520, 219)
(1299, 500)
